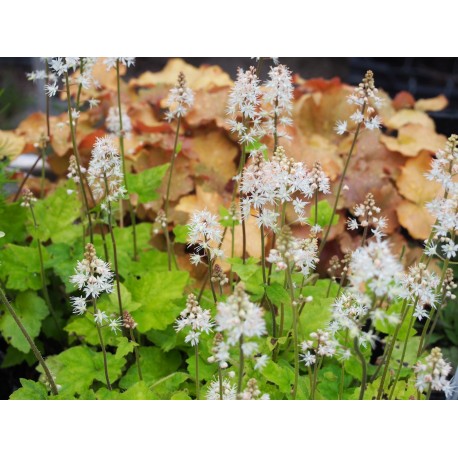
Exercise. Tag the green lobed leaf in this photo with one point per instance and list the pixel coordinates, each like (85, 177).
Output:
(181, 233)
(137, 392)
(125, 347)
(62, 259)
(278, 294)
(324, 215)
(21, 267)
(165, 387)
(13, 218)
(274, 373)
(55, 216)
(77, 368)
(124, 245)
(30, 391)
(154, 364)
(156, 291)
(225, 218)
(180, 396)
(206, 370)
(32, 310)
(145, 183)
(82, 328)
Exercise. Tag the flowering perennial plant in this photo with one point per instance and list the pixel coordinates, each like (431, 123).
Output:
(318, 299)
(105, 176)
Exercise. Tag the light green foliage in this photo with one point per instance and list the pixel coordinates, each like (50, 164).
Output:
(166, 339)
(138, 391)
(32, 310)
(277, 294)
(324, 214)
(77, 368)
(125, 347)
(124, 245)
(154, 363)
(388, 328)
(145, 183)
(30, 391)
(62, 258)
(83, 329)
(55, 216)
(167, 386)
(329, 379)
(157, 292)
(225, 218)
(12, 223)
(282, 375)
(181, 233)
(206, 370)
(21, 267)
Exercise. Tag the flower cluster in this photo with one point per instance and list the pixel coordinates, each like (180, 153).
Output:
(321, 344)
(271, 183)
(433, 373)
(28, 199)
(374, 268)
(180, 100)
(111, 62)
(419, 288)
(347, 311)
(104, 174)
(239, 317)
(366, 100)
(244, 101)
(160, 222)
(252, 392)
(220, 351)
(61, 67)
(93, 276)
(73, 170)
(294, 253)
(278, 97)
(445, 166)
(128, 321)
(448, 286)
(196, 318)
(114, 125)
(366, 216)
(229, 391)
(445, 209)
(219, 276)
(204, 231)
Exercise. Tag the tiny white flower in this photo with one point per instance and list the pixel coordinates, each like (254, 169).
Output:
(341, 127)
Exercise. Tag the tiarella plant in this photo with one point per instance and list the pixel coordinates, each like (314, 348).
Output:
(243, 275)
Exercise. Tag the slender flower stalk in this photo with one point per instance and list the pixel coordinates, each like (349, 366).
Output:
(77, 157)
(121, 132)
(198, 320)
(94, 277)
(295, 332)
(240, 320)
(179, 102)
(28, 202)
(4, 300)
(97, 313)
(278, 98)
(130, 324)
(106, 181)
(366, 100)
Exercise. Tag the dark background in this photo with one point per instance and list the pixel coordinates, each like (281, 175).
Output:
(422, 77)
